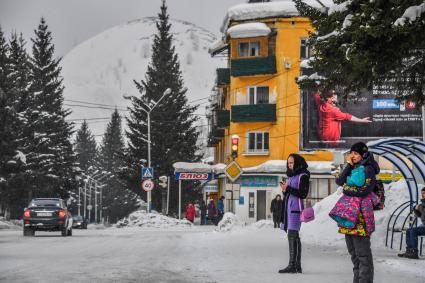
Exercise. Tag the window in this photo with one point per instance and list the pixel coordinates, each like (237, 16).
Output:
(258, 95)
(304, 49)
(258, 142)
(247, 49)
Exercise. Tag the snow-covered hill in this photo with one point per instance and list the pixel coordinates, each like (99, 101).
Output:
(102, 69)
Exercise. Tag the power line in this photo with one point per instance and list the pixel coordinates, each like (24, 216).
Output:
(92, 103)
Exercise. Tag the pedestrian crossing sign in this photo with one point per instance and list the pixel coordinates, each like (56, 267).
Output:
(147, 173)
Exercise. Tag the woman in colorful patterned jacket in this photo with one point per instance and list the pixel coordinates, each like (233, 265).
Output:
(294, 190)
(358, 237)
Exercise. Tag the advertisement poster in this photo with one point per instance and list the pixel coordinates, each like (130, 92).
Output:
(331, 123)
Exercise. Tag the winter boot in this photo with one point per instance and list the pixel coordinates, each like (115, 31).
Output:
(410, 253)
(298, 258)
(292, 254)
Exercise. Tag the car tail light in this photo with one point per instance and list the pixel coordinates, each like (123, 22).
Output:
(27, 213)
(61, 213)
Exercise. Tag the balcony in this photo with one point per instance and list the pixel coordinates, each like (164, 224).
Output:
(223, 76)
(254, 113)
(217, 133)
(222, 118)
(253, 66)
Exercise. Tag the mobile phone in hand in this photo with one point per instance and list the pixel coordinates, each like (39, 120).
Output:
(283, 180)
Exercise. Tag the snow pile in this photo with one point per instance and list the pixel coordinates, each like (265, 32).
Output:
(229, 222)
(143, 219)
(96, 226)
(279, 166)
(249, 30)
(324, 231)
(198, 167)
(5, 224)
(339, 7)
(410, 15)
(262, 224)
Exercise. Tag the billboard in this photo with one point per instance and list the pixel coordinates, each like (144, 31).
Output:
(330, 123)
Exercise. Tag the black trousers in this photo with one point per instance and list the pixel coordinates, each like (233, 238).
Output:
(361, 256)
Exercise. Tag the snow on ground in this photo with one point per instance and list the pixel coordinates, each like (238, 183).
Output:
(229, 222)
(143, 219)
(14, 224)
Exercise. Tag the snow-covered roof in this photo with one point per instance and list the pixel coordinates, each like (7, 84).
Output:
(198, 167)
(252, 11)
(249, 30)
(278, 166)
(216, 46)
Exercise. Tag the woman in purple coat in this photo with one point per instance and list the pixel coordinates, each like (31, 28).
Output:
(294, 190)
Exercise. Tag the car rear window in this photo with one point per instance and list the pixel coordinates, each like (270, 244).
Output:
(45, 202)
(78, 218)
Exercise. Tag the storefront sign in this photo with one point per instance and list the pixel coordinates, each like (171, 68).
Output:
(258, 181)
(194, 176)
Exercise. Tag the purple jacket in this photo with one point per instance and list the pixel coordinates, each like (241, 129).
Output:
(292, 204)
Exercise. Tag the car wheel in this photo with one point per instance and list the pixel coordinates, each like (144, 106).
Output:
(69, 232)
(28, 232)
(64, 232)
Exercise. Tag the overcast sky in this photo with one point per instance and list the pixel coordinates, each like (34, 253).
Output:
(73, 21)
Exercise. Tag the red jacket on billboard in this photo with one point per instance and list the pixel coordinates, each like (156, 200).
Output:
(330, 118)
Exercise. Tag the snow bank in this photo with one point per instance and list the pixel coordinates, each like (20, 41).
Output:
(143, 219)
(324, 231)
(249, 30)
(13, 224)
(229, 222)
(262, 224)
(279, 166)
(198, 167)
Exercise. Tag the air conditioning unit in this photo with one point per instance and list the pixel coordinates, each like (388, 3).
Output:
(287, 63)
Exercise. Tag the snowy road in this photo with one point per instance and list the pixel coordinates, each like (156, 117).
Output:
(184, 255)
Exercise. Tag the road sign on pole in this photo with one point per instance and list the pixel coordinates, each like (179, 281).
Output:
(147, 173)
(233, 171)
(148, 185)
(89, 207)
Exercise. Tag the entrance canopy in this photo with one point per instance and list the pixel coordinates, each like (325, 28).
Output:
(397, 151)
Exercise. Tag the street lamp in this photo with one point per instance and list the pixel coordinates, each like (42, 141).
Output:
(148, 113)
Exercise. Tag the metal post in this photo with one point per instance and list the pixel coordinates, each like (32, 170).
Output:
(180, 199)
(90, 201)
(168, 193)
(79, 201)
(423, 123)
(95, 202)
(85, 198)
(101, 207)
(149, 156)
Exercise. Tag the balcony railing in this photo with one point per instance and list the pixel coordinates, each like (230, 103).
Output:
(222, 118)
(253, 66)
(223, 76)
(254, 113)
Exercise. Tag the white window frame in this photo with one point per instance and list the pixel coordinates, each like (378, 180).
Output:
(307, 48)
(255, 94)
(257, 151)
(250, 46)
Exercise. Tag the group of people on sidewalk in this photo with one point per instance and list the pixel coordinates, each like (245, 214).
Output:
(207, 213)
(354, 211)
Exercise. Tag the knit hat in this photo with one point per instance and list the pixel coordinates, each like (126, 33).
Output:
(360, 148)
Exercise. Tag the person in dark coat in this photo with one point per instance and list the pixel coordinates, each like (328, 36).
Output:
(203, 209)
(276, 210)
(357, 239)
(212, 211)
(294, 190)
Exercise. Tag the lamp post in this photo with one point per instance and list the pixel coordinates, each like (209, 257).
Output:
(148, 113)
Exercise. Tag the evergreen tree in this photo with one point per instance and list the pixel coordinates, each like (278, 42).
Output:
(173, 133)
(50, 155)
(368, 45)
(118, 201)
(85, 148)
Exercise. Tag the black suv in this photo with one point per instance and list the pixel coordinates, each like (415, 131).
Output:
(47, 214)
(79, 222)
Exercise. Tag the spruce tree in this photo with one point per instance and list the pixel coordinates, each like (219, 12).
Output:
(118, 201)
(368, 44)
(173, 133)
(50, 155)
(85, 148)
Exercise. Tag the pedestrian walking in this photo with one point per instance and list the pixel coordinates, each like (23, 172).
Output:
(413, 233)
(203, 209)
(190, 212)
(212, 211)
(220, 208)
(276, 210)
(357, 238)
(294, 190)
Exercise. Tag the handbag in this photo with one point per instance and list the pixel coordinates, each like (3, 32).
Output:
(307, 214)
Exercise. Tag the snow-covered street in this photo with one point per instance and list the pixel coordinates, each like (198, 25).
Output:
(197, 254)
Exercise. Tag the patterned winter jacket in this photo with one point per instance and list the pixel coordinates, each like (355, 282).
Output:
(354, 211)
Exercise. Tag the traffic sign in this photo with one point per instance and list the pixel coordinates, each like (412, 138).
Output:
(89, 207)
(148, 185)
(233, 171)
(147, 173)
